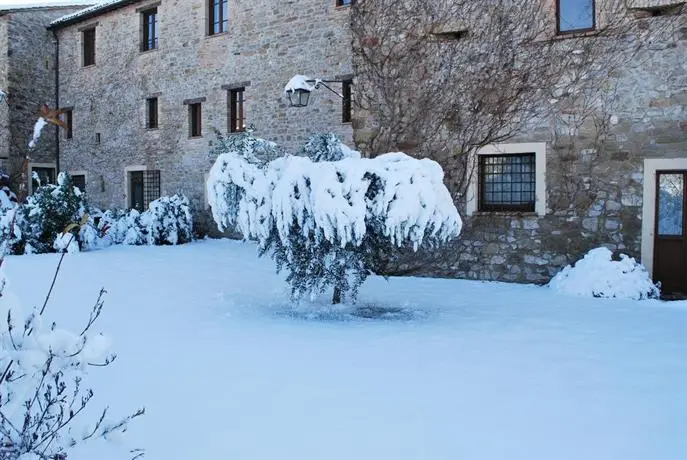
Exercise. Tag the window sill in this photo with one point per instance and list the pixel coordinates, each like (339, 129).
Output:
(87, 66)
(218, 34)
(584, 33)
(505, 214)
(194, 137)
(156, 128)
(152, 50)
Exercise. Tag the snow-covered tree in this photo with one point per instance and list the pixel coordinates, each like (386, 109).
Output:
(48, 212)
(328, 222)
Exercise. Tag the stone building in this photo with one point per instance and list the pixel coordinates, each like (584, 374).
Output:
(541, 199)
(146, 83)
(27, 75)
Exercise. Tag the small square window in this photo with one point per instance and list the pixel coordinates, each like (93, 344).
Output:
(150, 39)
(507, 182)
(575, 15)
(218, 16)
(344, 2)
(41, 176)
(97, 138)
(195, 120)
(79, 181)
(88, 39)
(152, 113)
(237, 114)
(346, 92)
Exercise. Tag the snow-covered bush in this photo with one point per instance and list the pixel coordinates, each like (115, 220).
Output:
(326, 222)
(168, 220)
(48, 212)
(598, 275)
(326, 147)
(252, 149)
(43, 395)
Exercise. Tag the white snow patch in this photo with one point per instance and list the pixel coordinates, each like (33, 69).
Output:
(38, 127)
(598, 275)
(300, 82)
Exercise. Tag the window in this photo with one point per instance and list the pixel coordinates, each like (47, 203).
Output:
(347, 100)
(507, 182)
(344, 2)
(151, 113)
(68, 120)
(237, 115)
(88, 38)
(195, 120)
(41, 176)
(575, 15)
(218, 16)
(150, 32)
(97, 138)
(144, 188)
(79, 181)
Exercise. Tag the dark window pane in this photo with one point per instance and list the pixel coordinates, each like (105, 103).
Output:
(152, 112)
(195, 120)
(347, 101)
(88, 37)
(507, 182)
(671, 204)
(150, 33)
(575, 15)
(68, 120)
(79, 181)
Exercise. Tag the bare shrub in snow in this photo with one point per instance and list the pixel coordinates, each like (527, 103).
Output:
(327, 223)
(43, 395)
(598, 275)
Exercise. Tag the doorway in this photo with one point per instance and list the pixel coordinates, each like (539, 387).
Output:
(670, 240)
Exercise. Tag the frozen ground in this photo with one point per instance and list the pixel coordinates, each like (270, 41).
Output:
(466, 370)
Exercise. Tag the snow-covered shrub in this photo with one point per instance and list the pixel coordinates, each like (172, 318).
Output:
(252, 149)
(44, 399)
(168, 220)
(48, 212)
(327, 222)
(598, 275)
(326, 147)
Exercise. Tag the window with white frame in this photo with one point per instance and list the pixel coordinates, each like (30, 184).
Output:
(509, 178)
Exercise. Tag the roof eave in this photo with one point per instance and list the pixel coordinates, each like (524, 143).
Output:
(91, 14)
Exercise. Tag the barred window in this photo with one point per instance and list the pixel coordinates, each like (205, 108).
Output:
(144, 187)
(507, 182)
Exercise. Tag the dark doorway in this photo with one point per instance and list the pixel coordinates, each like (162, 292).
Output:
(136, 191)
(670, 245)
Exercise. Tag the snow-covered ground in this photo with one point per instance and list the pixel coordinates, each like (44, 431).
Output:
(466, 370)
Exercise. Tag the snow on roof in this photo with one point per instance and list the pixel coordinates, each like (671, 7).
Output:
(86, 13)
(18, 6)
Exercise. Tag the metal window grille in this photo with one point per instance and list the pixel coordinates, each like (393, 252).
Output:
(150, 32)
(144, 187)
(237, 116)
(507, 182)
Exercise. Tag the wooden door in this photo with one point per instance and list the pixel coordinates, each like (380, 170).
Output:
(670, 245)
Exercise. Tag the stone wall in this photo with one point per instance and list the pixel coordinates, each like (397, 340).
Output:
(29, 81)
(594, 196)
(266, 45)
(4, 110)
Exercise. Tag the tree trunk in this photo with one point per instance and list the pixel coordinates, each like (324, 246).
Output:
(336, 300)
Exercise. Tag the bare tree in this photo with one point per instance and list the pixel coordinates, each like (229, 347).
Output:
(444, 78)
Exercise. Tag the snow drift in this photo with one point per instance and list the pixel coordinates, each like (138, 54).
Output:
(598, 275)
